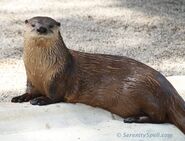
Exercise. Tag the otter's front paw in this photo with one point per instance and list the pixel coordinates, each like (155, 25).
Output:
(41, 101)
(22, 98)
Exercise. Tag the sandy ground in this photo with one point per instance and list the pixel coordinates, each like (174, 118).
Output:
(151, 31)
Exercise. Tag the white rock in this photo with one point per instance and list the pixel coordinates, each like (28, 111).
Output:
(74, 122)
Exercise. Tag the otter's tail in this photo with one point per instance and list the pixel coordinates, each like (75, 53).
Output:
(176, 110)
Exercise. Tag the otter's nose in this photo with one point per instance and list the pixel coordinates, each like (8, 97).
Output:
(42, 30)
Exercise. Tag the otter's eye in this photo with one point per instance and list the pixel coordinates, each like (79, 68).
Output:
(33, 25)
(51, 26)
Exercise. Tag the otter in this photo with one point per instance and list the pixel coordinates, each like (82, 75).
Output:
(121, 85)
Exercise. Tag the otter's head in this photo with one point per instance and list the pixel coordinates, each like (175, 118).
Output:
(41, 28)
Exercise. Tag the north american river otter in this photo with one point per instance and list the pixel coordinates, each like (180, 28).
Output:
(118, 84)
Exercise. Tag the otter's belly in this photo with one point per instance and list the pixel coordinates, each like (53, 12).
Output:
(124, 95)
(122, 103)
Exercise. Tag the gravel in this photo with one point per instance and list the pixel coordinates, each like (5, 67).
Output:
(151, 31)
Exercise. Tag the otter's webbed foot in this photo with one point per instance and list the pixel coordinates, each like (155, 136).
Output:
(143, 119)
(41, 101)
(23, 98)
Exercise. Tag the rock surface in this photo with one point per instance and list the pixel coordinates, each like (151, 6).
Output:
(79, 122)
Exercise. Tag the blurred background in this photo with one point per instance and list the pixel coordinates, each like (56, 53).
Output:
(150, 31)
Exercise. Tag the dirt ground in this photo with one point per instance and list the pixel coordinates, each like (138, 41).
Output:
(151, 31)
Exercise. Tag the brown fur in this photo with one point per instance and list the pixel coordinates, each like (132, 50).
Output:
(118, 84)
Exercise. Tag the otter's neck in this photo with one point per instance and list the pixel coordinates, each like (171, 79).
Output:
(46, 53)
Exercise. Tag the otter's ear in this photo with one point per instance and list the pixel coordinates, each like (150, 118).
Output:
(58, 24)
(26, 21)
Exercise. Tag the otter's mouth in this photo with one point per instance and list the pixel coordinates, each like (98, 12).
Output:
(42, 34)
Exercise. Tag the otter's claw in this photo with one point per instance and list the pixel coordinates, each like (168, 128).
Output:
(23, 98)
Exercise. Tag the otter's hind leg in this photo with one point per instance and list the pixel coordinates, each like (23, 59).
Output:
(143, 119)
(153, 113)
